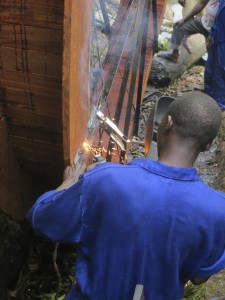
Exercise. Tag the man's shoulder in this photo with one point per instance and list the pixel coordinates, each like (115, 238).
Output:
(109, 167)
(219, 194)
(212, 198)
(212, 191)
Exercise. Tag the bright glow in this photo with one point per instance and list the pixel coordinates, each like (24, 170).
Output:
(95, 150)
(86, 147)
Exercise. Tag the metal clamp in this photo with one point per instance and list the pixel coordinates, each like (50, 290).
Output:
(113, 131)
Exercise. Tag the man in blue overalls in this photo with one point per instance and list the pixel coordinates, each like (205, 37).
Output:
(153, 223)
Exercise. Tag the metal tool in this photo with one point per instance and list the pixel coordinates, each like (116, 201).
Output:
(116, 135)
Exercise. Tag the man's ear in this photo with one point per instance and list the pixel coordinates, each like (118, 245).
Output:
(169, 123)
(208, 146)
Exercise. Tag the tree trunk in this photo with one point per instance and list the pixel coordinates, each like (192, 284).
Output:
(164, 72)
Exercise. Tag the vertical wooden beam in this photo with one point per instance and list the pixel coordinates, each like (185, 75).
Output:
(76, 73)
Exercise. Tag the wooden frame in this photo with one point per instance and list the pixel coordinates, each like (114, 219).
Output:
(76, 83)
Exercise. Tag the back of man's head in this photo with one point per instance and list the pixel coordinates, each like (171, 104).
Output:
(197, 118)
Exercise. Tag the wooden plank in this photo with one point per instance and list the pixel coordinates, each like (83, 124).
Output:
(36, 62)
(34, 133)
(31, 38)
(36, 145)
(31, 45)
(42, 13)
(24, 81)
(36, 102)
(45, 171)
(30, 118)
(76, 70)
(37, 156)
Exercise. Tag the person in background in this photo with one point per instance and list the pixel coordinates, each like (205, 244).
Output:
(214, 79)
(191, 24)
(153, 223)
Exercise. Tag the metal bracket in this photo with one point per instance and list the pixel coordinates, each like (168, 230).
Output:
(116, 135)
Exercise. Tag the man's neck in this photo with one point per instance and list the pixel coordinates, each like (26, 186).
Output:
(179, 157)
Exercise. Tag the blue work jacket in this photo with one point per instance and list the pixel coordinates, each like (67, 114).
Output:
(143, 223)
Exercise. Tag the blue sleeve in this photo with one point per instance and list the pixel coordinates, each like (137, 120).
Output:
(57, 215)
(212, 269)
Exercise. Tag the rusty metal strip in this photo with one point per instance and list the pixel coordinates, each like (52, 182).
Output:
(144, 29)
(81, 158)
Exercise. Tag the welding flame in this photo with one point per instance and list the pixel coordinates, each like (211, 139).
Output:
(86, 147)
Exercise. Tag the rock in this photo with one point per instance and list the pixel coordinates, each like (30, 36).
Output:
(160, 75)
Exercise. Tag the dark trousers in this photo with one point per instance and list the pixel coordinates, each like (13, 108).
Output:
(190, 27)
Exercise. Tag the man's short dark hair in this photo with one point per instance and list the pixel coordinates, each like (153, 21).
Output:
(197, 117)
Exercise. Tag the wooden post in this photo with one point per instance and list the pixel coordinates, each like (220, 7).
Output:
(76, 72)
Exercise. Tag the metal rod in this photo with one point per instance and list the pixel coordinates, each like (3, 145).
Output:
(144, 29)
